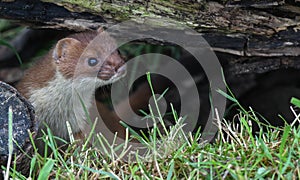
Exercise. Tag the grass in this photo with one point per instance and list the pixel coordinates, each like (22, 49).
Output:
(235, 154)
(6, 35)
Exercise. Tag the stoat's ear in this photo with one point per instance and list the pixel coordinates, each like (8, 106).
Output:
(64, 48)
(100, 30)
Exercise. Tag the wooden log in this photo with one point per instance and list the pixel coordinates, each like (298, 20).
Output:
(238, 28)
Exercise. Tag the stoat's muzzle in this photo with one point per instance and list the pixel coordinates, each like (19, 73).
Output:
(113, 68)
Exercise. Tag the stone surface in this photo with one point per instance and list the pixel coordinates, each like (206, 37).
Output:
(23, 122)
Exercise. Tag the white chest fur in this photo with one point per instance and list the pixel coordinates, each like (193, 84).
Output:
(60, 101)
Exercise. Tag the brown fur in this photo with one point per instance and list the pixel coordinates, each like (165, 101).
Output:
(36, 78)
(43, 71)
(69, 58)
(39, 80)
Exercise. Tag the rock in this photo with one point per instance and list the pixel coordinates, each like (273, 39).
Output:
(24, 120)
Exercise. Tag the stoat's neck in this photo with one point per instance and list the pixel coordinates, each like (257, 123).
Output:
(60, 101)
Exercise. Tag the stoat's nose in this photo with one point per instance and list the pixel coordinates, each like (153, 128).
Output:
(110, 66)
(115, 61)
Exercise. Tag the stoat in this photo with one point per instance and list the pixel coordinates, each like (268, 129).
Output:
(61, 83)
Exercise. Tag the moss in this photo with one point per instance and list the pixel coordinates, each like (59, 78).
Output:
(122, 11)
(171, 5)
(119, 13)
(78, 5)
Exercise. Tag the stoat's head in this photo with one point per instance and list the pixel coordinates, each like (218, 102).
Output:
(89, 56)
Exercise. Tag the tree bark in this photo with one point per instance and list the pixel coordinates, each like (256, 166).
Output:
(259, 35)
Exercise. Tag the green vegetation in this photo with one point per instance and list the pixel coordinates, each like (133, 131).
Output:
(78, 5)
(235, 154)
(6, 35)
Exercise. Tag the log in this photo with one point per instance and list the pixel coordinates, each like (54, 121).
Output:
(244, 29)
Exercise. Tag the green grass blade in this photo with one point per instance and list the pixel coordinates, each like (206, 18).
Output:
(231, 98)
(10, 141)
(2, 42)
(286, 132)
(32, 166)
(46, 170)
(295, 102)
(171, 170)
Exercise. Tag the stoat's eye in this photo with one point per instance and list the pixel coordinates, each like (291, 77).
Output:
(92, 61)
